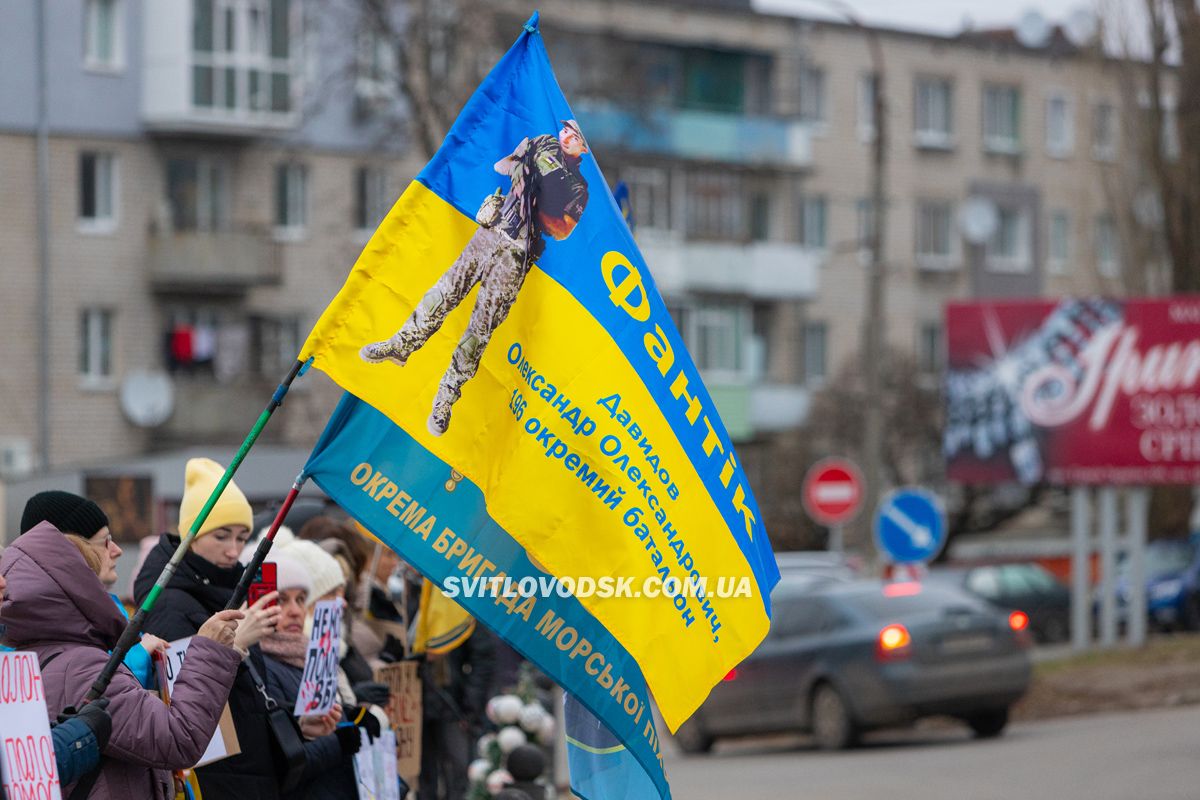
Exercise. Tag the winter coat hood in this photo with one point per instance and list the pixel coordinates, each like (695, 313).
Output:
(53, 596)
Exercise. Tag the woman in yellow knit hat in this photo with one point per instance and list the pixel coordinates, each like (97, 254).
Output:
(203, 584)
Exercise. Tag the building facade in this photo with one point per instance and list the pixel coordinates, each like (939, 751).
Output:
(212, 170)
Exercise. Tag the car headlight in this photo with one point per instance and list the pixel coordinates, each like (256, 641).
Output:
(1166, 589)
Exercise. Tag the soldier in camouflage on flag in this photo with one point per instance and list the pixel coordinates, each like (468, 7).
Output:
(548, 196)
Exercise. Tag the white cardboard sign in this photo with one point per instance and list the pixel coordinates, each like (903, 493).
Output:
(224, 742)
(27, 765)
(319, 684)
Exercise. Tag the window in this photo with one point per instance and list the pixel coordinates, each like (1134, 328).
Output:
(813, 222)
(97, 191)
(103, 42)
(1058, 245)
(935, 234)
(1104, 131)
(929, 348)
(1008, 250)
(812, 94)
(649, 197)
(1002, 119)
(242, 57)
(274, 343)
(713, 80)
(718, 335)
(198, 193)
(1107, 261)
(985, 582)
(815, 352)
(376, 78)
(371, 200)
(291, 198)
(932, 121)
(1060, 130)
(95, 345)
(716, 206)
(868, 86)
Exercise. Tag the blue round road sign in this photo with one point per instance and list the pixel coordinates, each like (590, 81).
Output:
(910, 525)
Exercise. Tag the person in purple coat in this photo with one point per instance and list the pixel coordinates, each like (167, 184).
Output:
(56, 607)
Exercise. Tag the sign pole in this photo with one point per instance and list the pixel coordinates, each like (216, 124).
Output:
(1081, 567)
(1137, 512)
(1108, 567)
(836, 539)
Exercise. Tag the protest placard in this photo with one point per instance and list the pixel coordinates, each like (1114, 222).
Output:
(364, 769)
(27, 765)
(224, 742)
(404, 714)
(319, 684)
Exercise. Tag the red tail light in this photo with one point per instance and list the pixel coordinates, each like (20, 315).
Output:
(902, 589)
(894, 643)
(732, 676)
(1018, 620)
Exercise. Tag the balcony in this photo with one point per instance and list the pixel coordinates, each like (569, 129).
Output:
(207, 411)
(227, 74)
(751, 409)
(767, 270)
(700, 135)
(213, 262)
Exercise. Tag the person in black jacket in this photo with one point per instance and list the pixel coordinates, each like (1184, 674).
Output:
(201, 586)
(329, 752)
(454, 695)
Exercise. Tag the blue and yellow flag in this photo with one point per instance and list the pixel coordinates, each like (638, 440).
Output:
(520, 406)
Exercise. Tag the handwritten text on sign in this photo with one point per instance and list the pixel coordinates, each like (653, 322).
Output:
(27, 765)
(318, 687)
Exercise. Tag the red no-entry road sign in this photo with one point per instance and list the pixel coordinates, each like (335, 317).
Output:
(833, 491)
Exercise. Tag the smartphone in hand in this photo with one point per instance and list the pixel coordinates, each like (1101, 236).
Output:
(265, 582)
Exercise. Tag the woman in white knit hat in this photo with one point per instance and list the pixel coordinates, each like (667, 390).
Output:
(329, 766)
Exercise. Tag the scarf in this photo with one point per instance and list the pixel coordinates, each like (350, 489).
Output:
(288, 648)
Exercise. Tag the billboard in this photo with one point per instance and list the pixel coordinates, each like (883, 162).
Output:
(1073, 391)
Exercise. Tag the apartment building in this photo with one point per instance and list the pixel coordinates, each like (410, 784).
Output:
(1030, 138)
(216, 165)
(213, 168)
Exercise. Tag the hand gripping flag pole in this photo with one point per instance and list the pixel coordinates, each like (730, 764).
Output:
(264, 545)
(133, 630)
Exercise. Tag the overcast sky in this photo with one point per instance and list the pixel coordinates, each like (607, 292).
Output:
(939, 16)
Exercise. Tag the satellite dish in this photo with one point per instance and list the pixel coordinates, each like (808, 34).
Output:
(1033, 30)
(1081, 26)
(147, 398)
(978, 219)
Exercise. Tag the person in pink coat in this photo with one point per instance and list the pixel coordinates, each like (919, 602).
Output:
(55, 605)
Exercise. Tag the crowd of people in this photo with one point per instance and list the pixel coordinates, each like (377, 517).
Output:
(56, 580)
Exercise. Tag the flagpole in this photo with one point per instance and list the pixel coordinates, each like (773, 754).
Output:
(264, 545)
(133, 629)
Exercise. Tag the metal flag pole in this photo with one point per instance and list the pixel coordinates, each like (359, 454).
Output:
(264, 545)
(133, 630)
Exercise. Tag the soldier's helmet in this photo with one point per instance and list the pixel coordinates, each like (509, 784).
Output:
(573, 125)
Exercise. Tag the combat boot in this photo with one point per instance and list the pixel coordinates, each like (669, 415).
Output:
(378, 352)
(439, 418)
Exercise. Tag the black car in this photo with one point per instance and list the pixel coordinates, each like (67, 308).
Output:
(1018, 587)
(845, 657)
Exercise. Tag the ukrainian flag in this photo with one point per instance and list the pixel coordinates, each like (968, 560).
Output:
(585, 446)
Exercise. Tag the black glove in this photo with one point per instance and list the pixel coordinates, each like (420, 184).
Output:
(374, 693)
(370, 723)
(349, 739)
(95, 716)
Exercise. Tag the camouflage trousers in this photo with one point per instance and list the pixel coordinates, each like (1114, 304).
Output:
(497, 264)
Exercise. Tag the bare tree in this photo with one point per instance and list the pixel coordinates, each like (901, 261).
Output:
(912, 412)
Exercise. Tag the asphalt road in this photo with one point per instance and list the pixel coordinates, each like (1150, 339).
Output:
(1148, 755)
